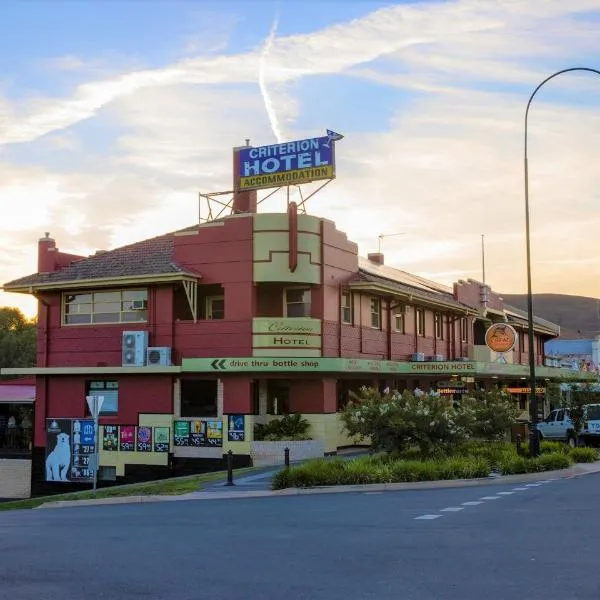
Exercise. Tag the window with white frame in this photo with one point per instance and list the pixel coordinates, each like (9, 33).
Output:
(420, 322)
(376, 313)
(347, 308)
(297, 302)
(215, 307)
(115, 306)
(399, 324)
(439, 325)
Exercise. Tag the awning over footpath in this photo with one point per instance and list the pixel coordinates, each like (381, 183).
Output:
(17, 391)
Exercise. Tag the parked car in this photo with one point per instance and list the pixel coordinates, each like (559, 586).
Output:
(590, 431)
(557, 426)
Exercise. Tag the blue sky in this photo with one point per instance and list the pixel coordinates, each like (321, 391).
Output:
(114, 115)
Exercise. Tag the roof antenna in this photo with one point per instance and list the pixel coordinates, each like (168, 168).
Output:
(382, 235)
(247, 141)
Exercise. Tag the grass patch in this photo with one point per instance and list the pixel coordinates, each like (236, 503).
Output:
(174, 486)
(584, 455)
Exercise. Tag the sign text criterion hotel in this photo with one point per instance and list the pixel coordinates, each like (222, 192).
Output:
(290, 163)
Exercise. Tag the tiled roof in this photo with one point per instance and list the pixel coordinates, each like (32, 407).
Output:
(435, 296)
(520, 316)
(149, 257)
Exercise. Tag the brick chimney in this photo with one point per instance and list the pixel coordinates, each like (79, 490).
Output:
(376, 257)
(243, 202)
(46, 254)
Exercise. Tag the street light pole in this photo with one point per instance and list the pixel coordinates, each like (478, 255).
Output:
(534, 446)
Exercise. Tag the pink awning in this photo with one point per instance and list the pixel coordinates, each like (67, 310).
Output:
(17, 394)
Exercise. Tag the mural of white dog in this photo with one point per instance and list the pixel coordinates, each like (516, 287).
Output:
(58, 461)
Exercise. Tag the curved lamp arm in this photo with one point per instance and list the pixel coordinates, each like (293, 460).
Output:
(533, 436)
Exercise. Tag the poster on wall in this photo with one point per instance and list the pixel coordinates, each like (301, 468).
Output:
(110, 439)
(144, 439)
(198, 433)
(127, 438)
(236, 428)
(162, 440)
(70, 446)
(181, 433)
(214, 433)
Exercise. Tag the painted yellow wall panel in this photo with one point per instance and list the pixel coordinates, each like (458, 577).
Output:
(304, 353)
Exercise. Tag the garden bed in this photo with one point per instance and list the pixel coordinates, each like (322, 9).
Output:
(467, 461)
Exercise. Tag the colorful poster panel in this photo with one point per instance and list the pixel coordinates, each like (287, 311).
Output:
(70, 448)
(236, 428)
(110, 439)
(162, 439)
(127, 438)
(144, 439)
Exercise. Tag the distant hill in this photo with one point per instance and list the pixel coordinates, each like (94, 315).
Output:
(578, 316)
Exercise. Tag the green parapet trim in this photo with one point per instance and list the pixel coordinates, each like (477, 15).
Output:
(279, 222)
(307, 364)
(278, 270)
(271, 249)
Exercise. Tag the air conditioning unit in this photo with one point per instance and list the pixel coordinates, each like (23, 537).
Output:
(134, 348)
(418, 357)
(158, 356)
(438, 358)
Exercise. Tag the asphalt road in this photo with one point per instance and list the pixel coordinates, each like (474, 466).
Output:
(542, 541)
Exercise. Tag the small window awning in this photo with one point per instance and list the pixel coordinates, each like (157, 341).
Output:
(17, 394)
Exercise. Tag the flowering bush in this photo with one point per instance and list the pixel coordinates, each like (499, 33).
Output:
(494, 412)
(395, 421)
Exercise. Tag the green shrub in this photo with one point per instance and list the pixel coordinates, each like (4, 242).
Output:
(288, 427)
(513, 465)
(547, 447)
(551, 461)
(378, 469)
(584, 455)
(548, 461)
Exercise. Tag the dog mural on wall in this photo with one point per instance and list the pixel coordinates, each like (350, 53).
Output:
(59, 460)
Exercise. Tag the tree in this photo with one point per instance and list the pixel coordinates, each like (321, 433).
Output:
(17, 339)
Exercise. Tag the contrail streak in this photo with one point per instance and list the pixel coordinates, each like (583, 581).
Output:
(271, 113)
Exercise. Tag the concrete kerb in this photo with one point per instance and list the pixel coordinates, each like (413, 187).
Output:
(574, 471)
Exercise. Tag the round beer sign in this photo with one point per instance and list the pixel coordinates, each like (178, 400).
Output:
(501, 338)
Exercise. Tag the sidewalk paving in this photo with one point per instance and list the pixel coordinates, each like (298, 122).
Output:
(258, 486)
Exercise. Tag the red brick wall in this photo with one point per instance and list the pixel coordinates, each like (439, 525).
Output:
(64, 397)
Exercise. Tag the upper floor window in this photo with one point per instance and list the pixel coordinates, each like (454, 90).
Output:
(122, 306)
(215, 307)
(399, 324)
(439, 325)
(376, 313)
(420, 322)
(347, 308)
(464, 330)
(297, 302)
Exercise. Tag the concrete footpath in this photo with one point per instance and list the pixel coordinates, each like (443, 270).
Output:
(258, 486)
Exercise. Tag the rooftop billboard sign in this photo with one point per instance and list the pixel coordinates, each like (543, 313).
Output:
(290, 163)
